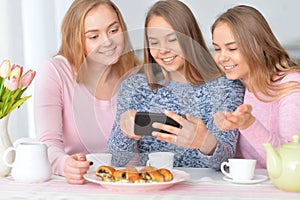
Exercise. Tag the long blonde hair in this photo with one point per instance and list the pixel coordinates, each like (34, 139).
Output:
(268, 61)
(199, 64)
(73, 38)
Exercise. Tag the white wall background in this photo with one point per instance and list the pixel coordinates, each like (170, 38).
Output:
(30, 33)
(282, 15)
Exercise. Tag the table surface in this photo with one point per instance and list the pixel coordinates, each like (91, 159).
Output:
(203, 184)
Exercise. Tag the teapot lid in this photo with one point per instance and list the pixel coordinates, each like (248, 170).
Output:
(295, 142)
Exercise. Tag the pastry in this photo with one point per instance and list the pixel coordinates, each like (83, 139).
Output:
(128, 175)
(147, 168)
(132, 175)
(130, 169)
(155, 176)
(168, 176)
(105, 173)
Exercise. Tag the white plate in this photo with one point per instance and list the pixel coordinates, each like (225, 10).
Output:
(256, 179)
(178, 176)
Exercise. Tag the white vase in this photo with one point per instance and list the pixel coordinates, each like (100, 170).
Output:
(5, 142)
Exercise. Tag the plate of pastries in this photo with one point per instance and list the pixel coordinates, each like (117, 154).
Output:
(135, 179)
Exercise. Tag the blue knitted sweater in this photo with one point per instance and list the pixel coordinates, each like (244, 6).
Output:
(201, 101)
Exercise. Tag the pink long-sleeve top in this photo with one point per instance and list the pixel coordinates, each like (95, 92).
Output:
(276, 122)
(67, 116)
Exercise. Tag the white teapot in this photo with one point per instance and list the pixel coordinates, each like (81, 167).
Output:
(31, 162)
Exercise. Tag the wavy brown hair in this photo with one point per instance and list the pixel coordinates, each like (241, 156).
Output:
(73, 38)
(199, 64)
(268, 61)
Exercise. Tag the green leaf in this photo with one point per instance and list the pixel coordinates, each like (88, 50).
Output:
(21, 92)
(15, 94)
(6, 92)
(17, 104)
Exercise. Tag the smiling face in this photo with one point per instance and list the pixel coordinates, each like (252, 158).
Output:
(227, 54)
(164, 45)
(104, 38)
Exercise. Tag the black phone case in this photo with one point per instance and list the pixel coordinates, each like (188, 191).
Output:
(143, 123)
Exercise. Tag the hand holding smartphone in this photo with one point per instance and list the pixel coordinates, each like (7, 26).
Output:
(143, 123)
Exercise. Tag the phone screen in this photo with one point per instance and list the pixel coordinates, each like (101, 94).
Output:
(144, 120)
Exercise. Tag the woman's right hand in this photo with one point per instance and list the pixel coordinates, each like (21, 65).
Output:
(127, 124)
(241, 118)
(75, 167)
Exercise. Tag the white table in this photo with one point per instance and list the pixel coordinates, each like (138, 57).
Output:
(204, 184)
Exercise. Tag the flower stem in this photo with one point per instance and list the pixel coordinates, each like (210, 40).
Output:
(2, 85)
(6, 100)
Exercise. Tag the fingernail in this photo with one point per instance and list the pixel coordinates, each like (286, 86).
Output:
(81, 157)
(91, 163)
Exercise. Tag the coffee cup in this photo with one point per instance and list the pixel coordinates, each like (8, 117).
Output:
(98, 159)
(161, 160)
(239, 169)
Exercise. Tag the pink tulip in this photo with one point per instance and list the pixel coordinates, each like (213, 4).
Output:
(13, 83)
(16, 71)
(27, 78)
(5, 69)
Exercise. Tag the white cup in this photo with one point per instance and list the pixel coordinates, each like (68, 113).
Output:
(98, 159)
(239, 169)
(161, 160)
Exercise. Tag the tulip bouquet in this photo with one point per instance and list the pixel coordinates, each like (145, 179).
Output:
(12, 86)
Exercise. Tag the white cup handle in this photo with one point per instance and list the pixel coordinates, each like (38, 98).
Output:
(9, 149)
(223, 170)
(148, 163)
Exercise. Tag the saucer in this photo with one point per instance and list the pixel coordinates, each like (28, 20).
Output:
(256, 179)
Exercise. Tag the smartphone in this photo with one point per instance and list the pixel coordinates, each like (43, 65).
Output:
(143, 123)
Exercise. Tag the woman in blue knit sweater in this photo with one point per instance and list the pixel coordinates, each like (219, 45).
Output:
(179, 77)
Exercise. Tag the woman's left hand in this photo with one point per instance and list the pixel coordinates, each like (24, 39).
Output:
(192, 133)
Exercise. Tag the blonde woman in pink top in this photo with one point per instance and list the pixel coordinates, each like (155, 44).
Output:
(76, 89)
(245, 48)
